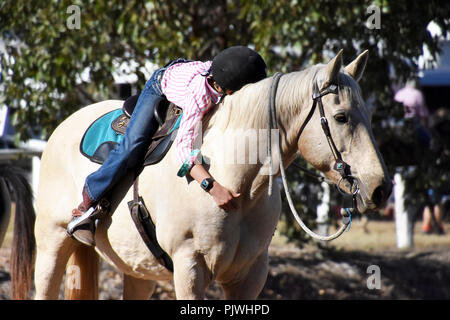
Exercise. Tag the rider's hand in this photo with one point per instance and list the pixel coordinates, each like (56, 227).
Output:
(223, 197)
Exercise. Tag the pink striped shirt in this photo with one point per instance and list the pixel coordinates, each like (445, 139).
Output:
(186, 85)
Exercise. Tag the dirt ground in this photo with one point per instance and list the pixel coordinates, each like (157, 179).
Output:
(343, 269)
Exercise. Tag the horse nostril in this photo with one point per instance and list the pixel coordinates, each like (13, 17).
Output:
(378, 196)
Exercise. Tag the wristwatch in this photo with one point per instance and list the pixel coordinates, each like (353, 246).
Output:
(207, 184)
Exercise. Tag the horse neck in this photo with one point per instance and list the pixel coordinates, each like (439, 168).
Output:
(247, 110)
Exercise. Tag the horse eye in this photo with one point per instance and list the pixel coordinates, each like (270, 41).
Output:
(341, 117)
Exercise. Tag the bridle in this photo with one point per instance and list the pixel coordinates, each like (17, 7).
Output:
(340, 165)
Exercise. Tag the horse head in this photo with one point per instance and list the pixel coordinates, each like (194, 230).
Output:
(349, 123)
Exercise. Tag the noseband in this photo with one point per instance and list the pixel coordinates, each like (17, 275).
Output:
(340, 165)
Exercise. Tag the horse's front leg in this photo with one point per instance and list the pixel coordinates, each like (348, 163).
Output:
(191, 276)
(249, 285)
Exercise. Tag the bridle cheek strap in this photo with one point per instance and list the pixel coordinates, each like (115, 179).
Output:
(340, 165)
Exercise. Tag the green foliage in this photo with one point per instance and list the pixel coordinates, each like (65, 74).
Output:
(51, 70)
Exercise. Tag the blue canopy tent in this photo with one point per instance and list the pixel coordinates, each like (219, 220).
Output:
(435, 83)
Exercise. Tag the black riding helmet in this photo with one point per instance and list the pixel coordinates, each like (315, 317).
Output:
(237, 66)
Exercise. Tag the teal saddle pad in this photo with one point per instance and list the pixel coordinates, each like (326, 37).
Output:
(100, 132)
(100, 138)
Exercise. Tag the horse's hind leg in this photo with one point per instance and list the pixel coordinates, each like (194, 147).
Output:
(54, 248)
(137, 289)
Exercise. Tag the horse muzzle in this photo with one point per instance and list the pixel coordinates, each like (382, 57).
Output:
(373, 197)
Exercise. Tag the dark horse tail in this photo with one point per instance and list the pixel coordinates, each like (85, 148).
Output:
(23, 243)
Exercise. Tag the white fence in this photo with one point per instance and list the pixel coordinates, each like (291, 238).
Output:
(31, 149)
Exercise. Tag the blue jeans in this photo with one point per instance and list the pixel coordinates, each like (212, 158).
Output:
(129, 155)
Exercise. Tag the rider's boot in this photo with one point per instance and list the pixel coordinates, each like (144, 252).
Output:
(83, 224)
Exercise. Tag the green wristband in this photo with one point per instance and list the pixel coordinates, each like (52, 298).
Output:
(187, 164)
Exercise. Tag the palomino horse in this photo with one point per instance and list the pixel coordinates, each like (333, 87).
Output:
(205, 242)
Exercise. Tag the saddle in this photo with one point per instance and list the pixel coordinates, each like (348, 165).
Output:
(166, 114)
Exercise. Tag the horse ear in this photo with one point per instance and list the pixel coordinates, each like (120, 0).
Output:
(333, 67)
(357, 66)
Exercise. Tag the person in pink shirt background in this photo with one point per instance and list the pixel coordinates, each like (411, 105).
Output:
(415, 109)
(195, 87)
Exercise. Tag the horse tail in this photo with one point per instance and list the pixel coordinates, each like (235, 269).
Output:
(23, 242)
(82, 274)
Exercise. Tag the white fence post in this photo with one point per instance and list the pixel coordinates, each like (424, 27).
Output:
(403, 220)
(322, 211)
(35, 171)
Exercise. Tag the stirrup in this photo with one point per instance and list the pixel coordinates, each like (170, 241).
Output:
(71, 227)
(88, 219)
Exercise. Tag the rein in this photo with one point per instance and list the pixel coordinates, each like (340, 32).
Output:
(340, 165)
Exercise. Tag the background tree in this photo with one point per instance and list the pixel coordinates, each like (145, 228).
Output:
(51, 68)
